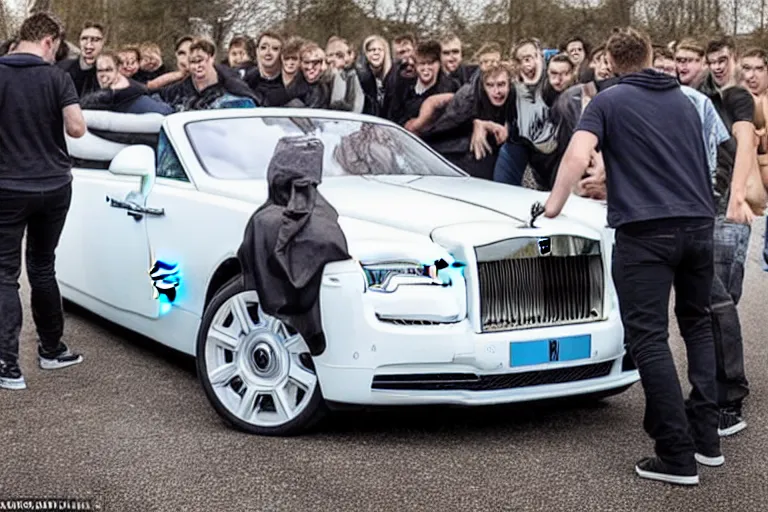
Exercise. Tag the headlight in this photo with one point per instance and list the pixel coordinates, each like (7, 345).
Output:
(408, 291)
(387, 277)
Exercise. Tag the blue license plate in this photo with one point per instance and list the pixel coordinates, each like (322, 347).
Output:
(570, 348)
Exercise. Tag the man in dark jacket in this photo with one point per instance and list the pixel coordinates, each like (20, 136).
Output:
(661, 204)
(452, 59)
(208, 84)
(431, 80)
(39, 105)
(82, 69)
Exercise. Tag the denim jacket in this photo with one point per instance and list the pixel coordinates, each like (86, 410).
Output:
(714, 131)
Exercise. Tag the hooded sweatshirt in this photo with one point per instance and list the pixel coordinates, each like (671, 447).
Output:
(650, 134)
(33, 150)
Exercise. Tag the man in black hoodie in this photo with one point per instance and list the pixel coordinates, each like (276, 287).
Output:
(661, 203)
(39, 105)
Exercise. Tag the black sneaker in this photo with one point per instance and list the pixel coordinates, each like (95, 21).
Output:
(60, 358)
(11, 377)
(654, 468)
(731, 422)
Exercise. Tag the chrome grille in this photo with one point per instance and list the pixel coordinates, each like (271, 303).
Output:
(536, 282)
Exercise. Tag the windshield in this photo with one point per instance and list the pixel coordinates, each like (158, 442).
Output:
(241, 148)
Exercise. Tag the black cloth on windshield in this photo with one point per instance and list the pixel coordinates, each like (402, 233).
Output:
(134, 99)
(451, 134)
(291, 237)
(33, 149)
(183, 95)
(85, 79)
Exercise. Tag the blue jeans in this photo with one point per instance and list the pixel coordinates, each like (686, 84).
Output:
(511, 164)
(650, 258)
(731, 242)
(41, 215)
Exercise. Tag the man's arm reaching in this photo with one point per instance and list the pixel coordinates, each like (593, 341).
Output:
(575, 162)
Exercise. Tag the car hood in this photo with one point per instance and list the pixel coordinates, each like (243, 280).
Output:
(423, 205)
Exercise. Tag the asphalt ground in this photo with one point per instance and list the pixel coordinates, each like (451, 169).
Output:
(131, 430)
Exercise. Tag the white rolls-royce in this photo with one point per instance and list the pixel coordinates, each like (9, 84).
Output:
(523, 311)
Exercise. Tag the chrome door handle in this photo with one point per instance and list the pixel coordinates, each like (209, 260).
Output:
(134, 210)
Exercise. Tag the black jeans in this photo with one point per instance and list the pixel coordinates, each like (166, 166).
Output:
(42, 216)
(731, 244)
(650, 258)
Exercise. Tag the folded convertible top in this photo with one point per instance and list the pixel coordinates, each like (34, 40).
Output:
(109, 132)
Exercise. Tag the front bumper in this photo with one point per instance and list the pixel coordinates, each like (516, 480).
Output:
(364, 352)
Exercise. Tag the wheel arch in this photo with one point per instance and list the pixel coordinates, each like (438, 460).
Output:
(228, 269)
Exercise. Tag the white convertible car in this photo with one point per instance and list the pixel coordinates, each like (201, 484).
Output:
(521, 313)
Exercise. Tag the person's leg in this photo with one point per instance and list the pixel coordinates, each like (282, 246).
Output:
(644, 266)
(511, 163)
(544, 167)
(43, 234)
(730, 248)
(14, 209)
(693, 288)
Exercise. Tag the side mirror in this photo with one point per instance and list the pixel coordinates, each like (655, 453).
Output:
(138, 160)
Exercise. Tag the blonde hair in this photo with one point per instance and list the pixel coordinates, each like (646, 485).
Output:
(387, 65)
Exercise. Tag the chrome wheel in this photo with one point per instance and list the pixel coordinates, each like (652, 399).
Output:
(258, 370)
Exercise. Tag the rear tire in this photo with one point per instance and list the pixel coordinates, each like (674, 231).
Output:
(256, 372)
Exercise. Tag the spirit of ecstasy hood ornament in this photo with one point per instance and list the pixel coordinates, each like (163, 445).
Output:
(536, 211)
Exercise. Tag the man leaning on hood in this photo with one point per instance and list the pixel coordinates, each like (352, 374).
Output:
(208, 85)
(660, 203)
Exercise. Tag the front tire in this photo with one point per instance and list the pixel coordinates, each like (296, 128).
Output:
(256, 372)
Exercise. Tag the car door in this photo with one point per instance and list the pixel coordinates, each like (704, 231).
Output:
(104, 250)
(199, 230)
